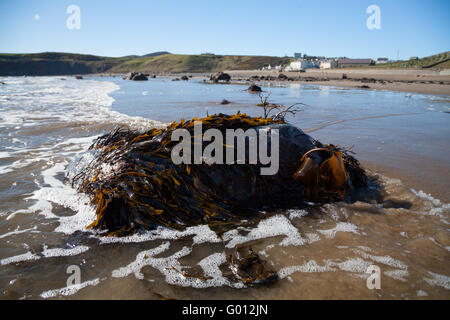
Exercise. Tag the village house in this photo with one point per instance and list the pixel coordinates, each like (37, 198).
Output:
(343, 63)
(300, 64)
(382, 60)
(327, 64)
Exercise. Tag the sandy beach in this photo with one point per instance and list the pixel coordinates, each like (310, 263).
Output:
(418, 81)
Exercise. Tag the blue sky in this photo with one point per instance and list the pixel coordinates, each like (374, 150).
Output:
(247, 27)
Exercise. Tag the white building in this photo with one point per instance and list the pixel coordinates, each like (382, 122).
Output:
(300, 64)
(269, 67)
(327, 64)
(382, 60)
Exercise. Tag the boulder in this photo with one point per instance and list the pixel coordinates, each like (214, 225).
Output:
(136, 76)
(220, 76)
(254, 89)
(282, 76)
(185, 78)
(132, 180)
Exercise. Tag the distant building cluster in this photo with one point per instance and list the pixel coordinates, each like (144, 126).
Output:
(303, 62)
(269, 67)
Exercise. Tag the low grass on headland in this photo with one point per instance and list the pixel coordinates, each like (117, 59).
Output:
(52, 63)
(437, 61)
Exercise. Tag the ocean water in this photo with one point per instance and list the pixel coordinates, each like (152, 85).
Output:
(322, 252)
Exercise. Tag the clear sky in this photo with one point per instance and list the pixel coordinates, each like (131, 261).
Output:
(245, 27)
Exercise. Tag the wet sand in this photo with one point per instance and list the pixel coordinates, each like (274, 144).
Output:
(419, 81)
(320, 251)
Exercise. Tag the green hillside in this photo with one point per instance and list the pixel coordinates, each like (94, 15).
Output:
(197, 63)
(51, 63)
(437, 61)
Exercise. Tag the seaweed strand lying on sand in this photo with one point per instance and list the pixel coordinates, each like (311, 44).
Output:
(135, 185)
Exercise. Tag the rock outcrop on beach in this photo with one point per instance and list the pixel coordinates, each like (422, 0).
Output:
(136, 76)
(220, 76)
(254, 89)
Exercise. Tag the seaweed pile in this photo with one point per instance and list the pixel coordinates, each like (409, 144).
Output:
(135, 186)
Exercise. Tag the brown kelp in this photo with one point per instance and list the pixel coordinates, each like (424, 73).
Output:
(246, 266)
(135, 185)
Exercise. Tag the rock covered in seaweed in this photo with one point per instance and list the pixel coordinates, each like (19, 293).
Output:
(135, 185)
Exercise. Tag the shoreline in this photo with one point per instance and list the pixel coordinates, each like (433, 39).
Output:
(412, 81)
(401, 80)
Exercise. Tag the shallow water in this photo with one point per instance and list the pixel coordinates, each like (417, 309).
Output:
(321, 252)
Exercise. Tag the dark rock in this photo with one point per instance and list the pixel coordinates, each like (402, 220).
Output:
(364, 87)
(220, 76)
(225, 101)
(144, 191)
(79, 77)
(185, 78)
(282, 76)
(254, 88)
(344, 76)
(176, 79)
(368, 80)
(136, 76)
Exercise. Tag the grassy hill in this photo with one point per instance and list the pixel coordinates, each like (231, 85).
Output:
(197, 63)
(51, 63)
(438, 61)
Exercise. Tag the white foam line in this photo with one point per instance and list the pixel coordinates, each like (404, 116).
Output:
(201, 233)
(397, 274)
(295, 213)
(68, 291)
(274, 226)
(171, 268)
(438, 280)
(355, 265)
(340, 227)
(308, 267)
(19, 258)
(62, 252)
(387, 260)
(64, 195)
(17, 231)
